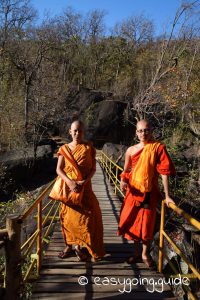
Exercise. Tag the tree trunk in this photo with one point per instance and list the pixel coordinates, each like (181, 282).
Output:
(26, 108)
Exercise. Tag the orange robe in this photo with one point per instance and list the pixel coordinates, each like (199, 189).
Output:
(83, 225)
(136, 221)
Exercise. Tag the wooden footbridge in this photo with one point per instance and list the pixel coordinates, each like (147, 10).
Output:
(35, 259)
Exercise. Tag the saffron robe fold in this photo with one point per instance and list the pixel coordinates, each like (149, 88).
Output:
(60, 190)
(136, 222)
(143, 172)
(83, 225)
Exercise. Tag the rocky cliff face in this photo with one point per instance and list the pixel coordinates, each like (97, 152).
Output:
(102, 114)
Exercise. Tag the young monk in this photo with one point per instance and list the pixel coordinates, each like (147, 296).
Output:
(81, 223)
(146, 160)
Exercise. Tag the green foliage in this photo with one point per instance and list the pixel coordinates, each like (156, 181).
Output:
(39, 65)
(26, 289)
(184, 185)
(18, 206)
(6, 181)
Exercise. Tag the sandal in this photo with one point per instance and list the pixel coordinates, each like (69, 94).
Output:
(65, 254)
(80, 256)
(133, 259)
(149, 262)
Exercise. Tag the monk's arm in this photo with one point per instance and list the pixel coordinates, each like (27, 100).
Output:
(59, 170)
(127, 160)
(165, 182)
(123, 184)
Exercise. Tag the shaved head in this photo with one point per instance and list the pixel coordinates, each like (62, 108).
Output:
(143, 131)
(78, 123)
(142, 123)
(77, 131)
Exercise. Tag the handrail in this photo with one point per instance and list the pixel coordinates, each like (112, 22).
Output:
(192, 221)
(110, 160)
(46, 212)
(108, 166)
(185, 215)
(38, 236)
(38, 200)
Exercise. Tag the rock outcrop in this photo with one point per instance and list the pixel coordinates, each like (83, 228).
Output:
(102, 114)
(20, 169)
(116, 152)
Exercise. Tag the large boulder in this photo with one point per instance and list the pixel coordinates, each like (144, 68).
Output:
(102, 114)
(77, 103)
(24, 156)
(20, 169)
(105, 123)
(116, 152)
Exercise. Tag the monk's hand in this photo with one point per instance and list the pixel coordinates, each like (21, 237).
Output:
(123, 186)
(73, 186)
(169, 200)
(81, 182)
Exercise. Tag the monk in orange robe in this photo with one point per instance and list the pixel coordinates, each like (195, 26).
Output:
(81, 221)
(143, 164)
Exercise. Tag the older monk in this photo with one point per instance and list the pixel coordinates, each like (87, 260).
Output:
(143, 164)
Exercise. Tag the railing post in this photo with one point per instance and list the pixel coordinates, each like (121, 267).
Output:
(110, 171)
(13, 277)
(39, 238)
(106, 166)
(161, 243)
(116, 177)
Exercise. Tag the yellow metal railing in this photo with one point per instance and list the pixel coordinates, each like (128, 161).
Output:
(45, 212)
(195, 273)
(112, 171)
(42, 213)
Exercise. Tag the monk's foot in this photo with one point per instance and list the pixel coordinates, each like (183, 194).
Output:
(80, 255)
(148, 262)
(66, 252)
(134, 259)
(96, 259)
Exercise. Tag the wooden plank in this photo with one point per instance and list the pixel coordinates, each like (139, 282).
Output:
(124, 284)
(75, 287)
(50, 263)
(99, 272)
(109, 249)
(103, 296)
(144, 280)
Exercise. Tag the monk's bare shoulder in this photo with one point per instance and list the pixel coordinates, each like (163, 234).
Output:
(133, 149)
